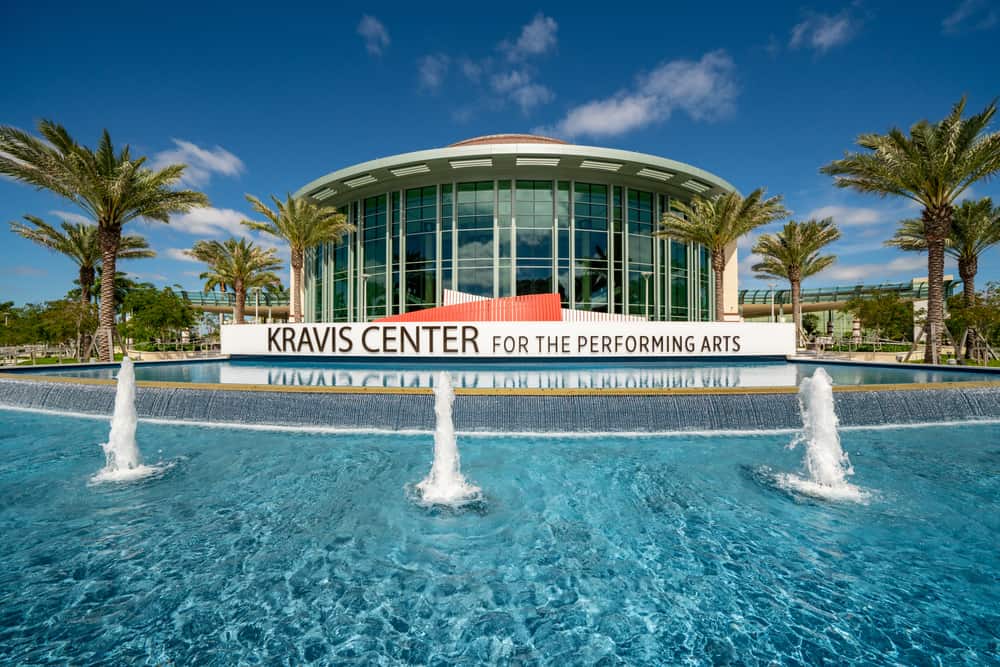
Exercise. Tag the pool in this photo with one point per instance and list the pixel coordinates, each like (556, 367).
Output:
(281, 547)
(523, 375)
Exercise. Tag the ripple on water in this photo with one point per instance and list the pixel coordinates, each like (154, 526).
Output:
(296, 548)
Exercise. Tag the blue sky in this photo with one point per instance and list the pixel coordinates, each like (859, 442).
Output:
(265, 98)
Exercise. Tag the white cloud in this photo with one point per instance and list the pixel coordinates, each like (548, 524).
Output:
(472, 70)
(210, 221)
(532, 95)
(845, 216)
(26, 271)
(432, 70)
(519, 87)
(149, 277)
(536, 38)
(374, 33)
(74, 218)
(201, 163)
(971, 15)
(746, 266)
(704, 89)
(607, 117)
(913, 265)
(180, 254)
(822, 32)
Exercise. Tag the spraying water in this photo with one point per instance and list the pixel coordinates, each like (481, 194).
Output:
(122, 460)
(826, 462)
(445, 484)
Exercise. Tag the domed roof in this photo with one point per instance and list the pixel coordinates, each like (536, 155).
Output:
(508, 139)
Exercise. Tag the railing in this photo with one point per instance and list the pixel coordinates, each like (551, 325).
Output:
(911, 291)
(16, 354)
(228, 300)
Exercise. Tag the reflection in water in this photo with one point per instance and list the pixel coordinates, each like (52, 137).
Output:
(666, 374)
(496, 378)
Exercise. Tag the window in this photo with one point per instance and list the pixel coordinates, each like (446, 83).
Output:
(590, 207)
(373, 234)
(395, 241)
(640, 252)
(474, 203)
(421, 248)
(705, 283)
(534, 216)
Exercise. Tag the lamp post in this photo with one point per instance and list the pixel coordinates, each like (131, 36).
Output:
(645, 276)
(771, 285)
(256, 308)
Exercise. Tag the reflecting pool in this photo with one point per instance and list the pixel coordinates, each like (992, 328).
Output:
(524, 375)
(279, 547)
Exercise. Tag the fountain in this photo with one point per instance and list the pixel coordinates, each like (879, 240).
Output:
(826, 462)
(445, 484)
(122, 460)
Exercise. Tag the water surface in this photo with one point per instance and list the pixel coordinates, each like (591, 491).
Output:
(576, 375)
(287, 548)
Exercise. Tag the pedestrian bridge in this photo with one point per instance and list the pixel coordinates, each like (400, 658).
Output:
(757, 302)
(269, 305)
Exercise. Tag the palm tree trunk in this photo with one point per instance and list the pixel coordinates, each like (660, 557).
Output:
(935, 298)
(110, 238)
(240, 305)
(967, 269)
(718, 268)
(86, 285)
(797, 310)
(298, 260)
(937, 226)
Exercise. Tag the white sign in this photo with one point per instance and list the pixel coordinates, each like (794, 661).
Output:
(507, 340)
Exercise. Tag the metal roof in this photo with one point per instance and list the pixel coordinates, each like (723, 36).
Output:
(539, 159)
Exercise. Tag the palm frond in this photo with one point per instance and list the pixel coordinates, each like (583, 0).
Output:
(299, 222)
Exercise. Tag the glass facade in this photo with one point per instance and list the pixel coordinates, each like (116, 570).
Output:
(591, 242)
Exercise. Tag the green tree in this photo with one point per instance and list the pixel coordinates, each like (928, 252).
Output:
(239, 264)
(53, 322)
(883, 313)
(932, 166)
(810, 323)
(156, 314)
(112, 188)
(65, 321)
(81, 244)
(975, 228)
(719, 223)
(123, 285)
(302, 225)
(793, 254)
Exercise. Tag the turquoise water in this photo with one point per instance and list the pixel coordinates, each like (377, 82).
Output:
(273, 547)
(621, 375)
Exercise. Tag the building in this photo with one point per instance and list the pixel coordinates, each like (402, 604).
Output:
(507, 215)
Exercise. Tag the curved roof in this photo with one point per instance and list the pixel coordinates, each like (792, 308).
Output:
(513, 156)
(508, 139)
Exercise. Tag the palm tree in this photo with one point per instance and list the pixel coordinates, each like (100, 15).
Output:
(80, 243)
(239, 264)
(113, 188)
(718, 223)
(793, 254)
(123, 285)
(302, 225)
(932, 166)
(975, 227)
